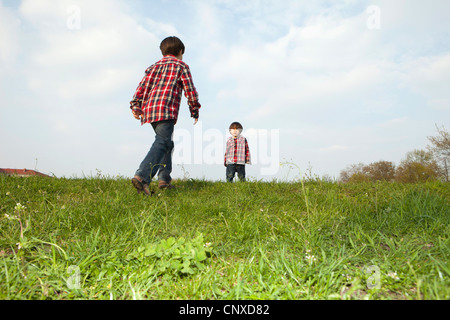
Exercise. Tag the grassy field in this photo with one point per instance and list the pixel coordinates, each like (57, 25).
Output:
(96, 238)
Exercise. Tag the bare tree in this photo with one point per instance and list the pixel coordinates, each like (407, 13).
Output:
(418, 166)
(377, 171)
(440, 147)
(381, 171)
(353, 173)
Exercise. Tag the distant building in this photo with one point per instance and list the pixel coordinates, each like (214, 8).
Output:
(22, 173)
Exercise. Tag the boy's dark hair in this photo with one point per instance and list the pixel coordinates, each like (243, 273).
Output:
(172, 46)
(236, 125)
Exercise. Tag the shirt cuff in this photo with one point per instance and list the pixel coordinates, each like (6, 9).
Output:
(194, 109)
(135, 106)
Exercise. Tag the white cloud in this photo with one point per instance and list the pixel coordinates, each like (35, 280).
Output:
(108, 50)
(335, 148)
(9, 43)
(98, 45)
(430, 77)
(413, 18)
(45, 12)
(333, 62)
(75, 83)
(329, 59)
(340, 92)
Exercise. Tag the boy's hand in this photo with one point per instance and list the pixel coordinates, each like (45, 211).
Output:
(137, 114)
(194, 114)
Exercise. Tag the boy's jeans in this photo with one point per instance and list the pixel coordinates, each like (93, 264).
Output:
(160, 155)
(232, 169)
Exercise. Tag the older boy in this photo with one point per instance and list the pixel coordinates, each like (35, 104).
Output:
(157, 101)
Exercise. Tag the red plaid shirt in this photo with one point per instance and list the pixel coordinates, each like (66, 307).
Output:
(237, 151)
(159, 93)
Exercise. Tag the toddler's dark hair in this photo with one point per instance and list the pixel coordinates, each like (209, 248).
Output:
(172, 46)
(236, 125)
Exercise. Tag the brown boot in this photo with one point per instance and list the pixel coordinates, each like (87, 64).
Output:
(165, 185)
(141, 186)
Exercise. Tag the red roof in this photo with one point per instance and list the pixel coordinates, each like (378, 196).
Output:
(22, 172)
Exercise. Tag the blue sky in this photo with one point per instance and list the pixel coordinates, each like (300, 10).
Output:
(342, 82)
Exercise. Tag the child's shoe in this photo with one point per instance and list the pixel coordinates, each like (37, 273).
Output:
(140, 186)
(165, 185)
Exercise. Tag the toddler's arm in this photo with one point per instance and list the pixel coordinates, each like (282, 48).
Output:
(247, 153)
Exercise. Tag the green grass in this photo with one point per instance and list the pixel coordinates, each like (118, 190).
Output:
(212, 240)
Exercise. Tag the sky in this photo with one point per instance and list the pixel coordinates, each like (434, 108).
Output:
(317, 85)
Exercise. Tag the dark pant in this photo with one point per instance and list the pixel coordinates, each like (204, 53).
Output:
(232, 169)
(159, 158)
